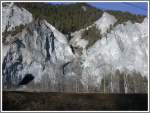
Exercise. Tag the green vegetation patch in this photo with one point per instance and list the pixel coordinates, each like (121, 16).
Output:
(92, 35)
(126, 16)
(16, 30)
(65, 17)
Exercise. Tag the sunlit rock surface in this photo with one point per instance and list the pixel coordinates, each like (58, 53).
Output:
(40, 58)
(104, 23)
(14, 16)
(38, 50)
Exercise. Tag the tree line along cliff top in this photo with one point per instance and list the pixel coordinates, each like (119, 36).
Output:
(71, 17)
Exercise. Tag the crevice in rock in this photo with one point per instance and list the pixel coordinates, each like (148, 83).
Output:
(52, 45)
(72, 48)
(10, 72)
(19, 44)
(47, 46)
(27, 78)
(65, 66)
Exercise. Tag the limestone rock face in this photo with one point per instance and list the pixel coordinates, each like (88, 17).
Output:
(125, 49)
(37, 50)
(104, 23)
(40, 58)
(14, 16)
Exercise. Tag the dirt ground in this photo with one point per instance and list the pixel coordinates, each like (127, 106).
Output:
(49, 101)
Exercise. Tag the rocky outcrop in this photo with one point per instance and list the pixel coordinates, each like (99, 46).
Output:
(123, 48)
(40, 58)
(14, 16)
(37, 51)
(104, 23)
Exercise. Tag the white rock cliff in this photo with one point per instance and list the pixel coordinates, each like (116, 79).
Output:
(116, 63)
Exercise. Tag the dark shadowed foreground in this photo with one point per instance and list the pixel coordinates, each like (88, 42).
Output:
(71, 101)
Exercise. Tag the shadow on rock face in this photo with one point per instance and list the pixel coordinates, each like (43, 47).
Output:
(28, 78)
